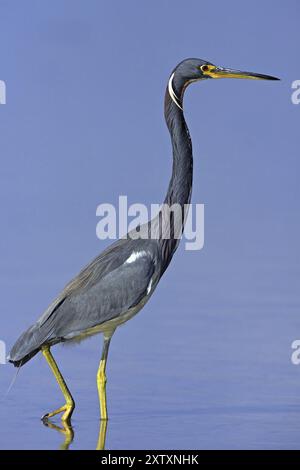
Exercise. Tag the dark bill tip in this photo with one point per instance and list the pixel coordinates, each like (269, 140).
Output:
(264, 77)
(221, 72)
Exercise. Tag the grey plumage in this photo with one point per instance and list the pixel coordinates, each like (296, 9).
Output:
(107, 288)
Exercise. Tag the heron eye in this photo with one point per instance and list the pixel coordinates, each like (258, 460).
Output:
(204, 68)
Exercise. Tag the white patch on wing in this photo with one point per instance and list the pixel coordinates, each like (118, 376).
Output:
(135, 255)
(172, 93)
(149, 287)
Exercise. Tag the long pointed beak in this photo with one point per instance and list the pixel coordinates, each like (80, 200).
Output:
(220, 72)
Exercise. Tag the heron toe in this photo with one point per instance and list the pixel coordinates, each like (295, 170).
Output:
(67, 411)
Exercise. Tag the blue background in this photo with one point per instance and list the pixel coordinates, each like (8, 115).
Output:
(207, 363)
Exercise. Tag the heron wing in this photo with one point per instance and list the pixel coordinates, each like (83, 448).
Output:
(110, 258)
(112, 284)
(105, 289)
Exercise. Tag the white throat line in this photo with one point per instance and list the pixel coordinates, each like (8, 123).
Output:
(172, 93)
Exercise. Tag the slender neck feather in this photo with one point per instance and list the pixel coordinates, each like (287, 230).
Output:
(180, 186)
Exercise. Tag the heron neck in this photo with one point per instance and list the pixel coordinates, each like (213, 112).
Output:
(171, 218)
(180, 185)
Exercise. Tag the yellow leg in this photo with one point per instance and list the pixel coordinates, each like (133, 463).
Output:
(101, 379)
(69, 406)
(101, 384)
(102, 435)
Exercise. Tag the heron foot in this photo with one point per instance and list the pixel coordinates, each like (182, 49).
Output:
(67, 411)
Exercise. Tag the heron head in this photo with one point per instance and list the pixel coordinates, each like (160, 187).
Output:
(191, 70)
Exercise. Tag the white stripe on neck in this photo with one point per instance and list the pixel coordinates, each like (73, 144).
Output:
(172, 93)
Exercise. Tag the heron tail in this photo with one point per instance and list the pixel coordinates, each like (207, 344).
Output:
(27, 346)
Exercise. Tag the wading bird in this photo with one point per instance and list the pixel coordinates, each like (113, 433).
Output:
(118, 283)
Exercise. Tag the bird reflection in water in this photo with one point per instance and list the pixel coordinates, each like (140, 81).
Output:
(67, 430)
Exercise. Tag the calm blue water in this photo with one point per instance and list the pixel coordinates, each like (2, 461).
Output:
(207, 363)
(211, 372)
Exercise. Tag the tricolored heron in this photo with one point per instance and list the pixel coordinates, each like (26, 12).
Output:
(117, 284)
